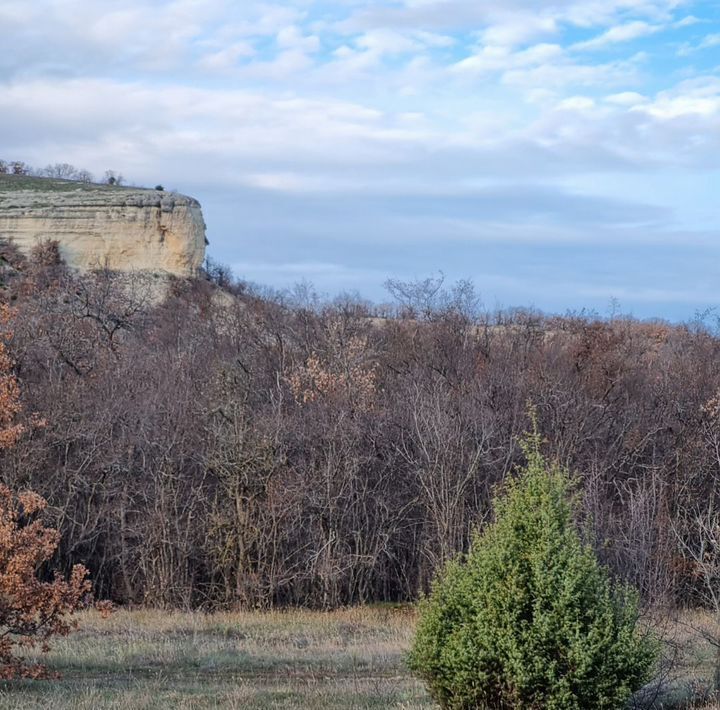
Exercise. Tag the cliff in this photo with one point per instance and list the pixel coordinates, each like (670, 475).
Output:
(96, 226)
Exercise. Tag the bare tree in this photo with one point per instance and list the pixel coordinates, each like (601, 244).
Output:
(417, 298)
(17, 167)
(113, 178)
(63, 171)
(265, 450)
(84, 176)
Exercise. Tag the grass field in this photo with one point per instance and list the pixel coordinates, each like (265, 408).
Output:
(10, 183)
(297, 659)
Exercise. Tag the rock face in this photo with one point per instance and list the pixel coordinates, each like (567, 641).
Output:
(96, 226)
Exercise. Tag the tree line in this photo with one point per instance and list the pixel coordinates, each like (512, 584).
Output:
(233, 447)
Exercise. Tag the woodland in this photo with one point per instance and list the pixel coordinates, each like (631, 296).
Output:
(232, 447)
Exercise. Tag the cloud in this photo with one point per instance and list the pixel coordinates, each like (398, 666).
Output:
(495, 58)
(363, 138)
(711, 40)
(331, 278)
(157, 38)
(383, 42)
(687, 21)
(568, 74)
(227, 58)
(619, 33)
(311, 144)
(463, 14)
(697, 99)
(577, 103)
(708, 41)
(519, 29)
(626, 98)
(292, 38)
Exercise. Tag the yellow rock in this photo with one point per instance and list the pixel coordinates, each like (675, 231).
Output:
(96, 226)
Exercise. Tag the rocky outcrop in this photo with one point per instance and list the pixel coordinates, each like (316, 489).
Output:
(96, 226)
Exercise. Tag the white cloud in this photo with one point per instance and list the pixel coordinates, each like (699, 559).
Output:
(227, 59)
(577, 103)
(712, 40)
(296, 144)
(619, 33)
(382, 42)
(291, 38)
(462, 14)
(568, 73)
(687, 21)
(517, 30)
(683, 106)
(695, 98)
(626, 98)
(433, 39)
(495, 58)
(708, 41)
(131, 35)
(421, 122)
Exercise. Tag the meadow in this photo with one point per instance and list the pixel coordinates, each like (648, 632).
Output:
(149, 659)
(352, 658)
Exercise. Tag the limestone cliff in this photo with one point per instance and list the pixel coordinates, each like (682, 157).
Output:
(124, 229)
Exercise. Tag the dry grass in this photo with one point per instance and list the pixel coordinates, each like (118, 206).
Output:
(296, 659)
(149, 659)
(689, 662)
(12, 183)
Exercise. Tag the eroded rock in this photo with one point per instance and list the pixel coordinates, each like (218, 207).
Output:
(97, 226)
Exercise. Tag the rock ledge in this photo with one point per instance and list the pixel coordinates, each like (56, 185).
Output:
(97, 226)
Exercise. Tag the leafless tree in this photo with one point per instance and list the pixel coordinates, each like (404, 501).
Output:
(17, 167)
(265, 450)
(63, 171)
(113, 178)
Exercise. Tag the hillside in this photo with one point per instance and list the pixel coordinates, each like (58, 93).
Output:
(248, 451)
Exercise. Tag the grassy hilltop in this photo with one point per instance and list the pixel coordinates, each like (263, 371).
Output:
(13, 183)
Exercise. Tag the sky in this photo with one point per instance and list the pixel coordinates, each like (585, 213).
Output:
(561, 155)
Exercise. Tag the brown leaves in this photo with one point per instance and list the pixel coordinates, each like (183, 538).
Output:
(31, 610)
(10, 405)
(345, 375)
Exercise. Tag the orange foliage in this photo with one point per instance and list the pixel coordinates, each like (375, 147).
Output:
(31, 611)
(10, 406)
(345, 376)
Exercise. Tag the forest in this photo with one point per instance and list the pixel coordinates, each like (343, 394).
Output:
(231, 447)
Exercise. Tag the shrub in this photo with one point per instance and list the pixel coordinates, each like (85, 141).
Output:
(10, 406)
(31, 610)
(529, 619)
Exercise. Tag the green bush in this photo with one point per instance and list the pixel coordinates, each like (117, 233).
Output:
(529, 619)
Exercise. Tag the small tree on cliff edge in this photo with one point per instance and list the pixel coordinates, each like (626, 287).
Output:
(530, 619)
(31, 610)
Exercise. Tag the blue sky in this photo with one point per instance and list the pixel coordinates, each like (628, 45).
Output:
(559, 154)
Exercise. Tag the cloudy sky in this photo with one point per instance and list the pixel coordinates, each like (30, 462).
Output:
(561, 154)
